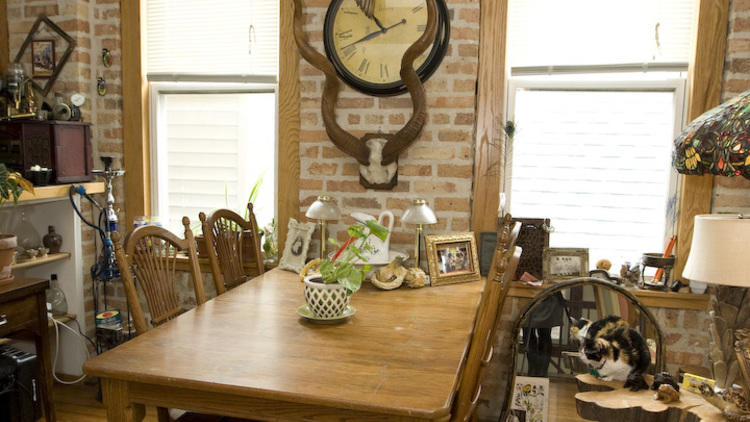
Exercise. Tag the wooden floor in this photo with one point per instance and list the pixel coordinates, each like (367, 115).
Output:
(78, 403)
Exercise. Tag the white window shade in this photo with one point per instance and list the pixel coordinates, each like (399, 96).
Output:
(231, 37)
(597, 164)
(596, 32)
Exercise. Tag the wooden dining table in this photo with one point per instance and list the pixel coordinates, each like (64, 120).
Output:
(247, 353)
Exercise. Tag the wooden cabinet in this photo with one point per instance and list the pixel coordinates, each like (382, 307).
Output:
(65, 147)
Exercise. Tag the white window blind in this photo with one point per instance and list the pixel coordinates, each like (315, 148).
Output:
(211, 150)
(595, 32)
(597, 164)
(230, 37)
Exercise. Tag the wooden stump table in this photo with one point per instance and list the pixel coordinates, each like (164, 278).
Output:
(608, 401)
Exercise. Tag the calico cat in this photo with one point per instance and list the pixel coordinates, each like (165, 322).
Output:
(615, 350)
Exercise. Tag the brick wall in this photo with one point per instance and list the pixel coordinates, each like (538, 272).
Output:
(437, 166)
(94, 25)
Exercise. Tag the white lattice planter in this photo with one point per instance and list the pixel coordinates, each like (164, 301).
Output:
(325, 300)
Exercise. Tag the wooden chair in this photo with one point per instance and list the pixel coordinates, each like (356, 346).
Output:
(503, 268)
(233, 247)
(149, 253)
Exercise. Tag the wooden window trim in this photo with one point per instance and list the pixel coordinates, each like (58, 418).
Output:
(704, 91)
(4, 45)
(135, 116)
(705, 77)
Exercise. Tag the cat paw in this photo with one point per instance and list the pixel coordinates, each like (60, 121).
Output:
(608, 378)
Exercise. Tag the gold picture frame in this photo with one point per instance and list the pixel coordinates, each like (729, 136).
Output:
(452, 258)
(565, 263)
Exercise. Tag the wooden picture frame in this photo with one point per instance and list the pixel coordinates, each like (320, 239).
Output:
(59, 63)
(452, 258)
(564, 263)
(297, 243)
(42, 58)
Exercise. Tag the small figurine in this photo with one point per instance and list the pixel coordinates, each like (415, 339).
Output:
(415, 278)
(630, 274)
(664, 378)
(603, 264)
(667, 393)
(391, 276)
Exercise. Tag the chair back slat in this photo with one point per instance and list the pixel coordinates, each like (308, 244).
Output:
(234, 247)
(504, 262)
(150, 254)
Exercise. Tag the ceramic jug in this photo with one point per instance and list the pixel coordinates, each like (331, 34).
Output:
(380, 248)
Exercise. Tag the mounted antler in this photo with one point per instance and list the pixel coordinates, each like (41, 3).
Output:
(377, 153)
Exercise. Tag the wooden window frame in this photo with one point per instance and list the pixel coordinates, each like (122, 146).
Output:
(704, 91)
(135, 114)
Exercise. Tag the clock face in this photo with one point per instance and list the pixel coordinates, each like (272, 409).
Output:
(367, 52)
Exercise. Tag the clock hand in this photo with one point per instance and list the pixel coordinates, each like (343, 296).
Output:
(380, 25)
(375, 34)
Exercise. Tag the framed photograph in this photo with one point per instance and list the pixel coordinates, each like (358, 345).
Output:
(561, 263)
(452, 258)
(42, 58)
(530, 400)
(297, 243)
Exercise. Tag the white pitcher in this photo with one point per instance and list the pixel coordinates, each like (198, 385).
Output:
(380, 248)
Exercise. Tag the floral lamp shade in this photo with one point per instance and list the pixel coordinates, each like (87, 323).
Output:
(717, 142)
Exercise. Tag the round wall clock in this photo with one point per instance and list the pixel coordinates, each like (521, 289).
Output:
(367, 52)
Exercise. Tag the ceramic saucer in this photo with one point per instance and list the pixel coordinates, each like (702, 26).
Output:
(305, 312)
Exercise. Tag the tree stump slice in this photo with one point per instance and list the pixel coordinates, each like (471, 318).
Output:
(608, 401)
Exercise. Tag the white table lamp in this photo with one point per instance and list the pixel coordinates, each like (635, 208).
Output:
(719, 252)
(419, 213)
(323, 209)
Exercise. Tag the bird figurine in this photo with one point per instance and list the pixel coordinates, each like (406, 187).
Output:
(731, 402)
(391, 276)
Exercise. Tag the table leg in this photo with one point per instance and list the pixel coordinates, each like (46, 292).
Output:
(44, 359)
(119, 407)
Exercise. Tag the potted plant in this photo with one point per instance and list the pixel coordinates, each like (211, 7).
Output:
(12, 184)
(328, 293)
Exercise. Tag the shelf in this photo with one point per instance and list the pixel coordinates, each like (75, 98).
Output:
(650, 298)
(59, 191)
(62, 318)
(29, 263)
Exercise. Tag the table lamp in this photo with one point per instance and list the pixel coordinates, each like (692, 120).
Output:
(323, 209)
(719, 255)
(419, 213)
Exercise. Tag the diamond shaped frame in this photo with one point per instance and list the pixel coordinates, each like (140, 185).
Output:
(63, 59)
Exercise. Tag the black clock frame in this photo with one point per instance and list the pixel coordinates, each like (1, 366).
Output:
(430, 65)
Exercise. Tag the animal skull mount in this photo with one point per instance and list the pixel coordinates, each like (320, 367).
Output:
(377, 153)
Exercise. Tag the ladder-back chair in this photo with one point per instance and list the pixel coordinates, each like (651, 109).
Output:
(503, 268)
(233, 247)
(149, 253)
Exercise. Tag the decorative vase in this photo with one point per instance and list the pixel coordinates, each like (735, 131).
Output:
(27, 236)
(8, 243)
(52, 240)
(325, 300)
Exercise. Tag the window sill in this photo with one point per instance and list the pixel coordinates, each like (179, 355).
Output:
(650, 298)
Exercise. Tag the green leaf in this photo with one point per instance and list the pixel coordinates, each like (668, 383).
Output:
(334, 242)
(356, 231)
(377, 230)
(351, 279)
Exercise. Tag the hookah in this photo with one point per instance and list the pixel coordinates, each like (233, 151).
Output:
(105, 267)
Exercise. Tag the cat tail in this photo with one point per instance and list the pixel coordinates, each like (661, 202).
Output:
(636, 381)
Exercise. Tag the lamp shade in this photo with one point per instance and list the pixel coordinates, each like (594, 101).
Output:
(419, 213)
(324, 208)
(719, 253)
(717, 142)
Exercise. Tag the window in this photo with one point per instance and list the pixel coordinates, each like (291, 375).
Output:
(595, 109)
(213, 107)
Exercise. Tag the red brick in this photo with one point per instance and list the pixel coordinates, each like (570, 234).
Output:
(323, 169)
(452, 204)
(34, 11)
(434, 187)
(367, 203)
(453, 170)
(453, 135)
(415, 170)
(345, 186)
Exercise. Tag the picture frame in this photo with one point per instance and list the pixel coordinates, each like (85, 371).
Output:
(42, 58)
(530, 400)
(487, 245)
(452, 258)
(565, 263)
(297, 244)
(55, 31)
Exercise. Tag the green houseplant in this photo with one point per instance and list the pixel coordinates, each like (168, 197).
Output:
(12, 184)
(328, 294)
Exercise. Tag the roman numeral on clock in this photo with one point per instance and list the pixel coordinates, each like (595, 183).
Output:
(422, 27)
(345, 34)
(364, 66)
(349, 51)
(417, 9)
